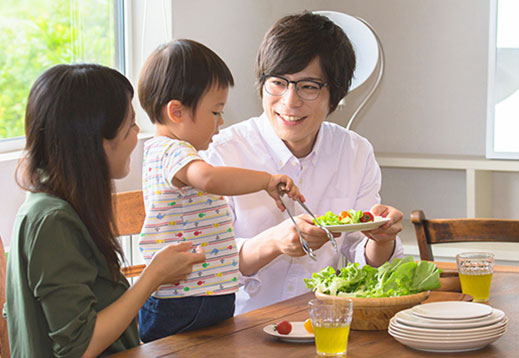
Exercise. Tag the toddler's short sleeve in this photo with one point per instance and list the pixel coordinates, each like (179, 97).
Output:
(176, 157)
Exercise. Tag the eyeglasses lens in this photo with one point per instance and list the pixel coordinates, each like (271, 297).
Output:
(276, 86)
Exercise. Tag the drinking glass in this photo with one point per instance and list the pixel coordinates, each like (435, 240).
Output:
(475, 270)
(331, 324)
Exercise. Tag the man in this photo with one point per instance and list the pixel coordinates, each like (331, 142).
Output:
(304, 68)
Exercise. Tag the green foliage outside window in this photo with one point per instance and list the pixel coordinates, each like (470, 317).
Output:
(37, 34)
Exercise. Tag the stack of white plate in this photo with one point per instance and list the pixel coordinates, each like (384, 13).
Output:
(450, 326)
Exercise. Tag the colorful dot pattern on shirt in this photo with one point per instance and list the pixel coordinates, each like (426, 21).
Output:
(186, 214)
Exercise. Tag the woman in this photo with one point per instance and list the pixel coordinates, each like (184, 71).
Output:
(304, 68)
(66, 295)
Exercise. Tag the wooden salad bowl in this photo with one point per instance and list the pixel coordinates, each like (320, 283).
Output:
(373, 314)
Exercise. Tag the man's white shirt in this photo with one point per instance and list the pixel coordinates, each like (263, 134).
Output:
(340, 173)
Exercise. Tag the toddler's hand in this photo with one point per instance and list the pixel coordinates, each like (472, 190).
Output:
(289, 188)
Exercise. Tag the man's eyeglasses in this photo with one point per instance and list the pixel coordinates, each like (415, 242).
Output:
(306, 89)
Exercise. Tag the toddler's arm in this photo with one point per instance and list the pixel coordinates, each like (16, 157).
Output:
(233, 181)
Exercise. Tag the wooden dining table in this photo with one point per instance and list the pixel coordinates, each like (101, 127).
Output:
(243, 335)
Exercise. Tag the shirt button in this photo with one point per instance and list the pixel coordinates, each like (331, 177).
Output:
(300, 181)
(294, 162)
(291, 287)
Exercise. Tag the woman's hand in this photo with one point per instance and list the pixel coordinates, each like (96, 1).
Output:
(169, 265)
(289, 187)
(174, 262)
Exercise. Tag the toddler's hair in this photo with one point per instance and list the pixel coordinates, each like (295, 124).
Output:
(182, 70)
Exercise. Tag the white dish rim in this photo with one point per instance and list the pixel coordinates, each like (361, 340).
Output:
(444, 338)
(460, 310)
(406, 317)
(502, 323)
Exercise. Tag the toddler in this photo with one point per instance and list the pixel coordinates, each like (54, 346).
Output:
(183, 88)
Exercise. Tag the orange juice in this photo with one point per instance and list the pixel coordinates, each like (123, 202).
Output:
(331, 340)
(478, 286)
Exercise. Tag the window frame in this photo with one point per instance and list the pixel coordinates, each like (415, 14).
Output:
(491, 153)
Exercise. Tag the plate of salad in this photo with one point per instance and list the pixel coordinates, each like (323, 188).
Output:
(351, 220)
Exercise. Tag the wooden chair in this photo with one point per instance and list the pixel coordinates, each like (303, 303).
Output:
(438, 231)
(129, 217)
(4, 337)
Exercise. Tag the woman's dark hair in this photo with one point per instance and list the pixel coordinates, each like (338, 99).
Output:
(183, 70)
(70, 110)
(295, 40)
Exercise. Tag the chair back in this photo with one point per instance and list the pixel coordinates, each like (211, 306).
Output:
(4, 337)
(129, 217)
(438, 231)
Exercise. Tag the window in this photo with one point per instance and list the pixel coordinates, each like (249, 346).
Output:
(36, 34)
(503, 103)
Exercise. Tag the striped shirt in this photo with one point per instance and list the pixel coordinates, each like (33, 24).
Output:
(186, 214)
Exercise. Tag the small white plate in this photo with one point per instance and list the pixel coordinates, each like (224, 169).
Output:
(298, 334)
(406, 317)
(377, 222)
(452, 310)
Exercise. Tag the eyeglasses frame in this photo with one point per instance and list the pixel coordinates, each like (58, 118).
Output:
(321, 85)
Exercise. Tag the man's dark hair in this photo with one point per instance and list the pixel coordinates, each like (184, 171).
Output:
(295, 40)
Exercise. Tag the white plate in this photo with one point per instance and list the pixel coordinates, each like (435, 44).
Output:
(451, 310)
(419, 330)
(377, 221)
(444, 337)
(442, 346)
(298, 333)
(406, 317)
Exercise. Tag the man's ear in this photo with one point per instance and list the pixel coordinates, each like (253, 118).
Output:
(174, 110)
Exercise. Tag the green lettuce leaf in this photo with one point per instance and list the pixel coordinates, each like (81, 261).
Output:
(400, 277)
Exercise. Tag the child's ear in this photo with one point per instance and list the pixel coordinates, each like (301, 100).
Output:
(174, 109)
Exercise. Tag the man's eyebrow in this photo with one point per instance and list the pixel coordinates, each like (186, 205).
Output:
(307, 78)
(318, 79)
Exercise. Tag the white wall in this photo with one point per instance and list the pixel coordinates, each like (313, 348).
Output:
(434, 88)
(432, 98)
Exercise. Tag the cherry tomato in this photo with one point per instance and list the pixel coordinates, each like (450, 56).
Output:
(283, 327)
(308, 326)
(366, 216)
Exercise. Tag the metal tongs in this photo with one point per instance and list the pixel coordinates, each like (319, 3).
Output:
(304, 244)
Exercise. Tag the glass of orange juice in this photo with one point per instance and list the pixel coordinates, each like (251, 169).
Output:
(475, 270)
(331, 324)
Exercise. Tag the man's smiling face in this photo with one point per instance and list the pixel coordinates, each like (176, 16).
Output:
(297, 121)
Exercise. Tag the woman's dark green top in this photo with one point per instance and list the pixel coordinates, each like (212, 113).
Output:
(57, 281)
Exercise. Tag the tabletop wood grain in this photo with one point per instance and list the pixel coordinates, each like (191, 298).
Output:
(243, 336)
